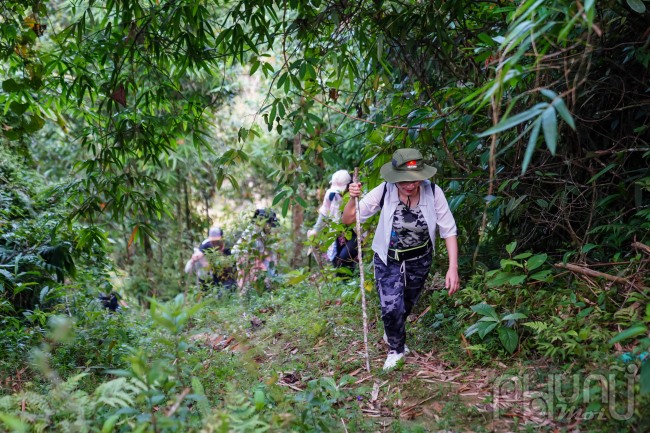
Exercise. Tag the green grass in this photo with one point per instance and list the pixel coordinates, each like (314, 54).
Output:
(300, 339)
(295, 362)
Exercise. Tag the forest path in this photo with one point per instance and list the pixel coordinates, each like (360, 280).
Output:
(426, 393)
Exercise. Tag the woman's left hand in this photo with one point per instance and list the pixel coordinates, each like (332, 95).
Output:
(452, 282)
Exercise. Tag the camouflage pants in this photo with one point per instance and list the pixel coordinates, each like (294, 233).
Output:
(399, 285)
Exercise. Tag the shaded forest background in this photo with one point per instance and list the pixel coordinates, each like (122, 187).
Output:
(122, 143)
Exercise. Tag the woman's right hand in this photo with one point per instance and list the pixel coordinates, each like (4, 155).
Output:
(355, 189)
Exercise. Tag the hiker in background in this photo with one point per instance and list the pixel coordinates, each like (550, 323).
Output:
(204, 261)
(214, 241)
(411, 209)
(343, 251)
(253, 251)
(111, 301)
(199, 266)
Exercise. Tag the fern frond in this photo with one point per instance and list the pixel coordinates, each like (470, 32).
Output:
(117, 393)
(536, 326)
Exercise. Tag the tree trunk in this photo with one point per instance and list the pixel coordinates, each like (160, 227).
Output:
(297, 211)
(188, 215)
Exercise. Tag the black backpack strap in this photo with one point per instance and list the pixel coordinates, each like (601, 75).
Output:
(381, 202)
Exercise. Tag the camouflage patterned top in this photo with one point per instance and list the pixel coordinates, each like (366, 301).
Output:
(410, 229)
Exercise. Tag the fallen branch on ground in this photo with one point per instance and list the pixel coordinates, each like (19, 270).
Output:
(590, 272)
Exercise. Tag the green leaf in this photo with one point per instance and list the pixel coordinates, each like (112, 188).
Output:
(587, 247)
(18, 108)
(562, 35)
(297, 279)
(585, 312)
(516, 280)
(471, 330)
(484, 329)
(484, 310)
(514, 316)
(532, 143)
(509, 339)
(510, 248)
(487, 40)
(541, 276)
(11, 86)
(259, 399)
(536, 326)
(506, 262)
(285, 206)
(515, 120)
(563, 111)
(644, 378)
(279, 196)
(522, 256)
(255, 65)
(536, 261)
(109, 424)
(603, 171)
(35, 124)
(13, 422)
(500, 279)
(636, 6)
(301, 201)
(549, 126)
(629, 333)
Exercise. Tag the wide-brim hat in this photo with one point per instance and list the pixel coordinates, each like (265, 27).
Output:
(407, 165)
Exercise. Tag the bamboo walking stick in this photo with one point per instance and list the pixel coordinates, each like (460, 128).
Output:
(361, 273)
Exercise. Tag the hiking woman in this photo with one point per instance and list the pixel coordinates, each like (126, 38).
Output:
(411, 209)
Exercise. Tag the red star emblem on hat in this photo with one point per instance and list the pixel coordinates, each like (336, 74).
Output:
(411, 164)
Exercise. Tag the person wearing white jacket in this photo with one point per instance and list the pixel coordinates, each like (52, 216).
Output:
(343, 251)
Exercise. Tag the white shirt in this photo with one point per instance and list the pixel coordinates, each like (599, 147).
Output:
(434, 208)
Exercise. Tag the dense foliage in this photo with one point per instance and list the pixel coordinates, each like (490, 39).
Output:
(119, 135)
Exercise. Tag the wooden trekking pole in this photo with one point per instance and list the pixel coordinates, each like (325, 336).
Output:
(362, 285)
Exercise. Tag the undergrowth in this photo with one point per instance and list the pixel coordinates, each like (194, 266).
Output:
(286, 360)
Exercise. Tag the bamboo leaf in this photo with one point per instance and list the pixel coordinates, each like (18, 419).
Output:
(603, 171)
(532, 143)
(636, 6)
(515, 120)
(549, 126)
(629, 333)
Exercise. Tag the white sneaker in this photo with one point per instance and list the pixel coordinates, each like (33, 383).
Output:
(406, 348)
(392, 360)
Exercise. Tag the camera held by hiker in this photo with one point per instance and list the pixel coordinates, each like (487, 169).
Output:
(411, 209)
(343, 251)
